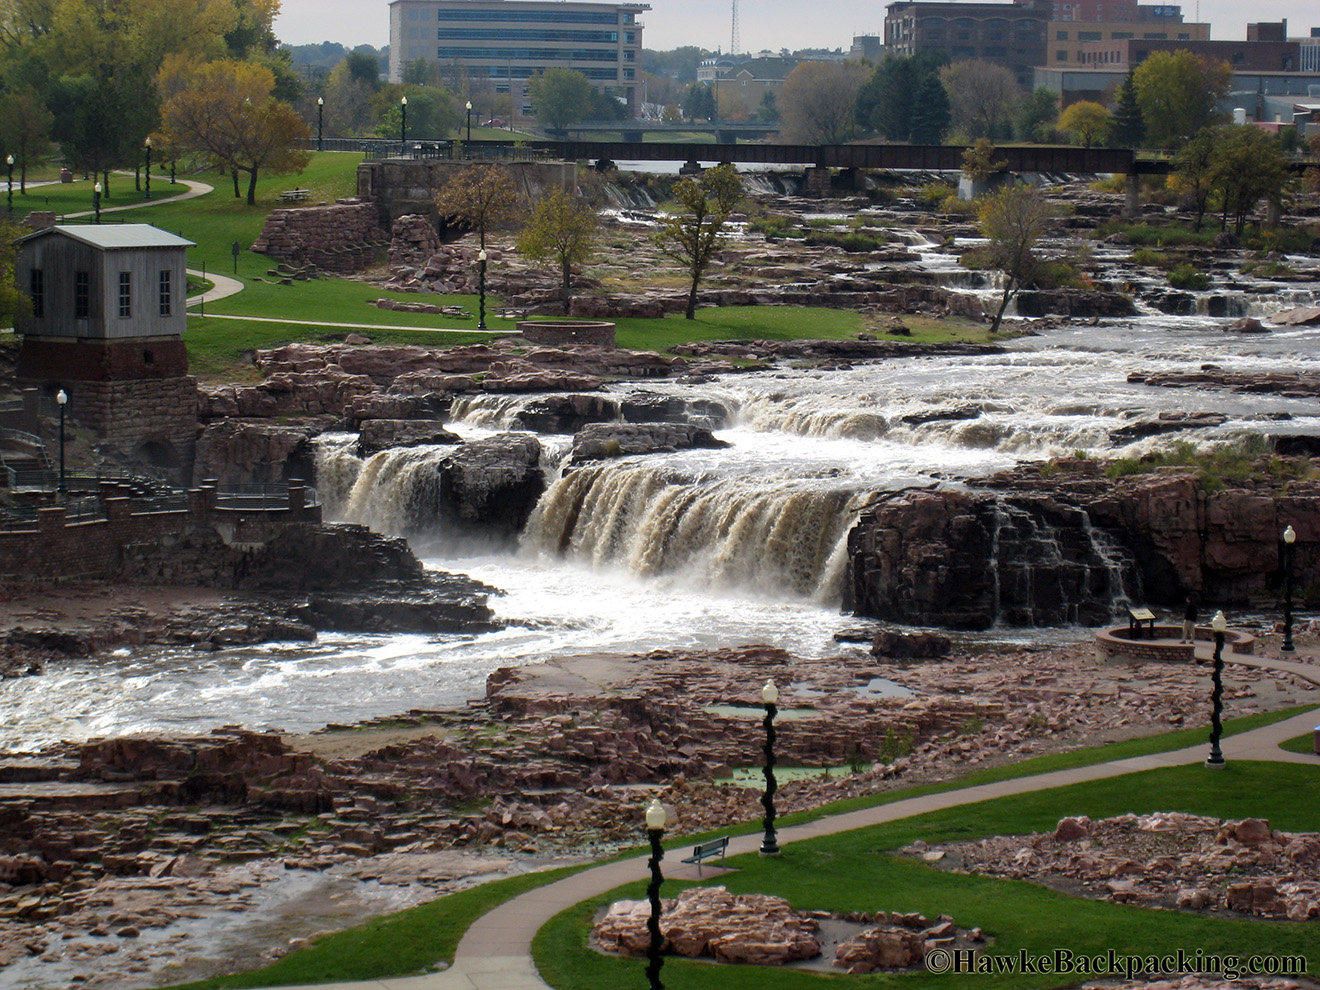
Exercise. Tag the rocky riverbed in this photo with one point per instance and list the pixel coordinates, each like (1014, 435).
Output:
(114, 851)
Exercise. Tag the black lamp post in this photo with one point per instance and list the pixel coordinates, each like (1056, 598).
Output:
(96, 200)
(320, 119)
(769, 695)
(1215, 761)
(62, 400)
(466, 150)
(1289, 538)
(481, 289)
(171, 171)
(147, 146)
(9, 160)
(403, 122)
(655, 829)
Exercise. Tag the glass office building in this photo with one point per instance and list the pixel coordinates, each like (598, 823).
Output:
(500, 44)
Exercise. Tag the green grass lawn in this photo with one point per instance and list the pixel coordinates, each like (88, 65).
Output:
(414, 940)
(1301, 744)
(860, 871)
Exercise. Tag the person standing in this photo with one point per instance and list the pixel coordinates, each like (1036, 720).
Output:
(1189, 621)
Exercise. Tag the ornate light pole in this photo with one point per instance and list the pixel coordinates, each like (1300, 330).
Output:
(403, 122)
(655, 829)
(466, 150)
(769, 696)
(1289, 538)
(9, 160)
(320, 119)
(1215, 761)
(62, 400)
(96, 200)
(481, 289)
(147, 145)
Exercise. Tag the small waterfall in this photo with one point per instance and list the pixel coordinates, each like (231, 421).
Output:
(777, 538)
(395, 491)
(489, 412)
(1048, 572)
(632, 197)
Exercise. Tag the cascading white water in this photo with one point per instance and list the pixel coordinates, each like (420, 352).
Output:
(779, 538)
(394, 491)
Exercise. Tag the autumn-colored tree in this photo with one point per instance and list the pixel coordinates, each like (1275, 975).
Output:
(695, 230)
(1087, 122)
(979, 161)
(478, 197)
(224, 110)
(1012, 221)
(562, 228)
(818, 102)
(1179, 94)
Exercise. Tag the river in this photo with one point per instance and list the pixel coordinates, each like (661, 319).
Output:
(693, 549)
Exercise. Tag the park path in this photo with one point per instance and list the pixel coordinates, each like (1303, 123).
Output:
(495, 954)
(194, 190)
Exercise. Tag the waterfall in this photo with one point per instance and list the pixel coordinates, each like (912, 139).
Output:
(1053, 572)
(395, 491)
(632, 197)
(773, 537)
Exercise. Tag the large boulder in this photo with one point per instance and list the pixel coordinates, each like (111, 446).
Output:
(491, 484)
(598, 441)
(234, 452)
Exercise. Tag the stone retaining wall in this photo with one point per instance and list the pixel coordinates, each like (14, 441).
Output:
(55, 548)
(561, 333)
(1113, 645)
(343, 238)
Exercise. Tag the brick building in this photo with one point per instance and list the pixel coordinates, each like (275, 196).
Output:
(1009, 34)
(107, 323)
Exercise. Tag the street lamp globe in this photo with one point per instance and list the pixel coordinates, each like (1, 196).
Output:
(1219, 623)
(1290, 536)
(62, 397)
(655, 815)
(770, 693)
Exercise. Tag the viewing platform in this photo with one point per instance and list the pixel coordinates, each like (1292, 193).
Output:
(1162, 643)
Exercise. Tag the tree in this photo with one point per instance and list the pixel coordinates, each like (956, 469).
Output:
(225, 111)
(350, 106)
(562, 228)
(699, 102)
(931, 115)
(901, 98)
(1178, 93)
(1012, 221)
(13, 300)
(693, 233)
(1248, 165)
(1035, 115)
(1087, 122)
(1193, 171)
(768, 110)
(478, 197)
(561, 96)
(25, 126)
(982, 96)
(432, 112)
(979, 161)
(818, 104)
(1126, 129)
(602, 106)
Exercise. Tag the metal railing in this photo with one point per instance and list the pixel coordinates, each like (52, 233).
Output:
(260, 497)
(177, 502)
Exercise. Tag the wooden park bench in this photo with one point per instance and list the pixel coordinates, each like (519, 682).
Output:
(294, 195)
(706, 850)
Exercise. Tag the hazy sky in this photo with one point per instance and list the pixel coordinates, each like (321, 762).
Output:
(772, 24)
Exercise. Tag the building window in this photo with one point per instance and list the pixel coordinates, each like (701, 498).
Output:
(1061, 55)
(1088, 36)
(37, 290)
(82, 295)
(125, 295)
(166, 295)
(1060, 35)
(1122, 36)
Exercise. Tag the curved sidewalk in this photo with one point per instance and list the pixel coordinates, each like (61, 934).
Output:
(194, 190)
(495, 953)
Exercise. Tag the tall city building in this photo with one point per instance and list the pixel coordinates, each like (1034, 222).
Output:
(1010, 34)
(501, 44)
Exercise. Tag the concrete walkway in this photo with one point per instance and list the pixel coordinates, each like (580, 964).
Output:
(495, 954)
(194, 190)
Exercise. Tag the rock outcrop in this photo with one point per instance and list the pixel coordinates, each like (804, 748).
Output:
(603, 440)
